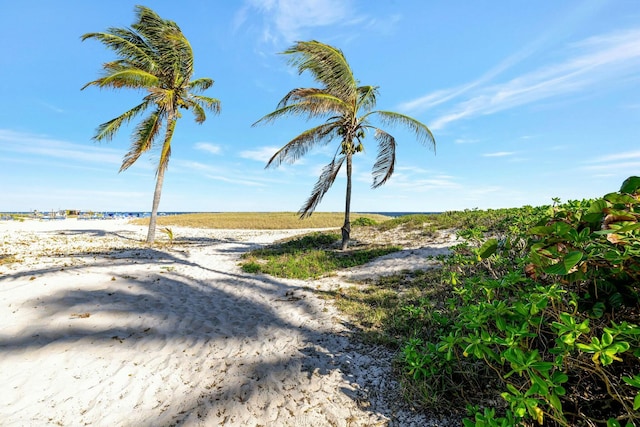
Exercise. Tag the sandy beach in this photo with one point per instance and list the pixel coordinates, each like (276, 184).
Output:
(101, 330)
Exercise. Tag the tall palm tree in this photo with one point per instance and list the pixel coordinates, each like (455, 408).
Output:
(348, 108)
(154, 56)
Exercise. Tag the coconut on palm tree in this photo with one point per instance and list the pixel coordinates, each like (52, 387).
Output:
(348, 108)
(154, 56)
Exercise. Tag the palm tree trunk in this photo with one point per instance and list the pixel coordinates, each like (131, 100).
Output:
(151, 234)
(162, 167)
(346, 227)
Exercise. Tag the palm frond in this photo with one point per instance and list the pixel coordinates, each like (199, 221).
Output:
(212, 104)
(198, 105)
(422, 132)
(386, 159)
(301, 144)
(124, 42)
(165, 153)
(200, 85)
(136, 49)
(315, 106)
(328, 66)
(176, 53)
(198, 111)
(170, 46)
(325, 181)
(367, 98)
(143, 137)
(316, 101)
(106, 130)
(133, 78)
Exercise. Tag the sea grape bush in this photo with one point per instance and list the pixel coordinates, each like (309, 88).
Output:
(543, 318)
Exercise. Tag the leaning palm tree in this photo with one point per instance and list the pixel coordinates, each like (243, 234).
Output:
(154, 56)
(348, 109)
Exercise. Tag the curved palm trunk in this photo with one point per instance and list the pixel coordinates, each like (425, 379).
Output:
(151, 234)
(346, 227)
(162, 167)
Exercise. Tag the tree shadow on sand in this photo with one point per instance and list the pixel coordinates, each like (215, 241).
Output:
(199, 305)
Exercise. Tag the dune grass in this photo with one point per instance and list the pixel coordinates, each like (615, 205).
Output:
(309, 257)
(258, 220)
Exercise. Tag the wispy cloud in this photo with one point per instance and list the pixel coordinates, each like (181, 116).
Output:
(208, 147)
(465, 141)
(416, 180)
(615, 167)
(616, 157)
(44, 146)
(615, 164)
(499, 154)
(596, 60)
(262, 154)
(288, 19)
(191, 166)
(52, 107)
(232, 180)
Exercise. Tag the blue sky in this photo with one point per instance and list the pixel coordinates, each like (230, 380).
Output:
(527, 101)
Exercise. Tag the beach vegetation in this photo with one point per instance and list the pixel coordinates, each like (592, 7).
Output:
(534, 319)
(349, 110)
(309, 257)
(169, 233)
(363, 222)
(156, 57)
(257, 220)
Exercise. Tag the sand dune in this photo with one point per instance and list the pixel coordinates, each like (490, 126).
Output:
(98, 329)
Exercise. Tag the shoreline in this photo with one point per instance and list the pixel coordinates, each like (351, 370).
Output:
(103, 330)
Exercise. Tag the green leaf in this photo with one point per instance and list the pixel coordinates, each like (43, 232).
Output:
(635, 381)
(554, 401)
(630, 185)
(612, 422)
(619, 199)
(595, 212)
(627, 228)
(541, 230)
(597, 207)
(566, 264)
(598, 309)
(561, 228)
(488, 248)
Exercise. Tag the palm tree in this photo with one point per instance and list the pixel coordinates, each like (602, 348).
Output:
(154, 56)
(348, 108)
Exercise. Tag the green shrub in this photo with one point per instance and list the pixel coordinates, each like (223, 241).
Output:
(363, 221)
(543, 320)
(310, 256)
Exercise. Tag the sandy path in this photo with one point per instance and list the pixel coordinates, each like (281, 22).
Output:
(99, 330)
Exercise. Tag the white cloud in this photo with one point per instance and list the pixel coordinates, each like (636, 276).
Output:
(465, 141)
(42, 145)
(261, 154)
(615, 167)
(499, 154)
(289, 18)
(614, 164)
(593, 61)
(208, 147)
(246, 182)
(618, 156)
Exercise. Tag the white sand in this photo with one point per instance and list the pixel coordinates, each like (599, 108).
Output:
(97, 329)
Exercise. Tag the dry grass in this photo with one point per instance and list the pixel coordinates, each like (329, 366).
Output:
(257, 220)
